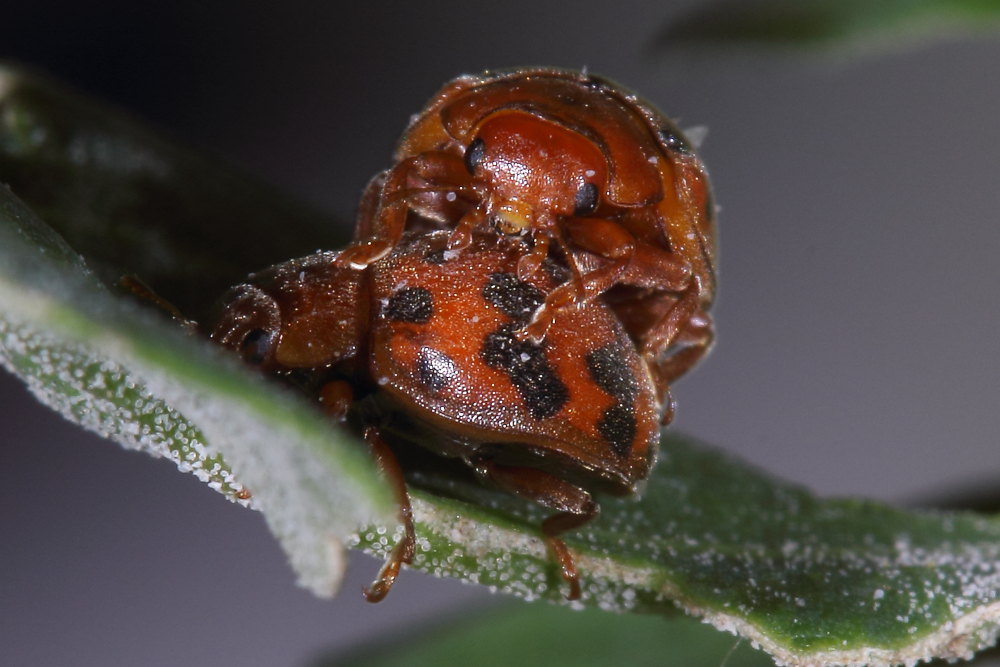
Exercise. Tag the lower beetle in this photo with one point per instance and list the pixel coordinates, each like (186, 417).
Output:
(427, 335)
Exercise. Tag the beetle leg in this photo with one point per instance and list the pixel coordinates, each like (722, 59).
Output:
(391, 195)
(438, 190)
(574, 507)
(570, 294)
(686, 325)
(530, 261)
(654, 268)
(675, 316)
(404, 550)
(666, 401)
(381, 219)
(461, 235)
(614, 242)
(366, 219)
(695, 339)
(336, 397)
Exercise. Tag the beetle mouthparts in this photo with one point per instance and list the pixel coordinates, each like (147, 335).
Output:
(512, 219)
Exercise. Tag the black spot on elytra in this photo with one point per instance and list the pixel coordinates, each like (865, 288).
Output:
(611, 371)
(674, 141)
(527, 367)
(410, 304)
(516, 298)
(617, 426)
(435, 369)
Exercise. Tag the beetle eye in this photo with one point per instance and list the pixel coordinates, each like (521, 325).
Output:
(586, 200)
(474, 154)
(256, 346)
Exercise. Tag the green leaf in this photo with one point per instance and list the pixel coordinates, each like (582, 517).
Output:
(545, 635)
(138, 379)
(811, 581)
(845, 25)
(131, 201)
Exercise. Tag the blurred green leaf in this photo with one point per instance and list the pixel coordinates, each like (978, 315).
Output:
(138, 379)
(844, 25)
(130, 200)
(812, 581)
(544, 636)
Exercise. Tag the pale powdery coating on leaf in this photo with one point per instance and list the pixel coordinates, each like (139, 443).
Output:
(957, 640)
(451, 544)
(100, 396)
(312, 494)
(963, 578)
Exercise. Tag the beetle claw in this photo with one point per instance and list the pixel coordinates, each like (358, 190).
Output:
(535, 331)
(360, 256)
(401, 553)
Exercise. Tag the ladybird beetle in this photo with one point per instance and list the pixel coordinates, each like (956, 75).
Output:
(427, 336)
(572, 160)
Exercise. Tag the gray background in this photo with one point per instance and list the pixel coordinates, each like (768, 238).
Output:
(857, 316)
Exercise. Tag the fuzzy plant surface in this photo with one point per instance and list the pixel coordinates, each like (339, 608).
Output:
(94, 195)
(531, 635)
(844, 28)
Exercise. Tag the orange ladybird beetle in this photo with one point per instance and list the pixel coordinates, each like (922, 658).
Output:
(427, 336)
(571, 160)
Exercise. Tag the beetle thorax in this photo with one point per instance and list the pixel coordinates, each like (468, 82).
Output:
(534, 167)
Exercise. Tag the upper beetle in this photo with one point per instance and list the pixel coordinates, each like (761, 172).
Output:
(427, 336)
(572, 160)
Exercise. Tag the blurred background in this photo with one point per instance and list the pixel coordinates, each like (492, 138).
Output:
(857, 314)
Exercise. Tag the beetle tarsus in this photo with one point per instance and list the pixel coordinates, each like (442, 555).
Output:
(404, 550)
(401, 553)
(567, 566)
(360, 256)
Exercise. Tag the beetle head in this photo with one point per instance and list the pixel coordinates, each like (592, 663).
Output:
(250, 324)
(301, 314)
(535, 168)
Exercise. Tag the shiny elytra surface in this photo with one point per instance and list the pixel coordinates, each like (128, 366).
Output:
(444, 346)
